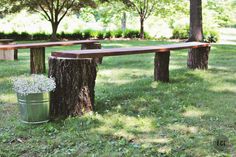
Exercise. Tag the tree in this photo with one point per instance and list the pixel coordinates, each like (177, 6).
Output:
(55, 10)
(144, 8)
(196, 30)
(197, 58)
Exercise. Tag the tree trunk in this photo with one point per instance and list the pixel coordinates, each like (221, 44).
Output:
(197, 58)
(75, 82)
(16, 54)
(196, 31)
(54, 31)
(161, 66)
(37, 60)
(141, 28)
(123, 21)
(93, 46)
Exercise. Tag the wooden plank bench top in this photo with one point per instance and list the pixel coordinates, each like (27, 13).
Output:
(127, 51)
(46, 44)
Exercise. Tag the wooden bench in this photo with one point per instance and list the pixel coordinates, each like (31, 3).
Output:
(37, 51)
(7, 54)
(75, 73)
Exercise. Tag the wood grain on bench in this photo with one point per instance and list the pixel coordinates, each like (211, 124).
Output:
(127, 51)
(46, 44)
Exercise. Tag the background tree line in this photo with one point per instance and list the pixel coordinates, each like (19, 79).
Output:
(219, 12)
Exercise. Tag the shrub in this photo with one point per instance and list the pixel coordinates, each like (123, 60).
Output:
(147, 36)
(41, 36)
(2, 35)
(181, 32)
(77, 35)
(210, 35)
(25, 36)
(108, 34)
(87, 34)
(13, 35)
(118, 33)
(100, 35)
(131, 33)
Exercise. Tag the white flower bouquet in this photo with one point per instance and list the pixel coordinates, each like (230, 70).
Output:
(25, 85)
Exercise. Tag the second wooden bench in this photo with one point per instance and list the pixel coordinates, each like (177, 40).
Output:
(75, 73)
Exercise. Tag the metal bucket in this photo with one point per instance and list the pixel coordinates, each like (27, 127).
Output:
(34, 108)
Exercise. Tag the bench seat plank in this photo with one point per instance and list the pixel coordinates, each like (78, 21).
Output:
(127, 51)
(46, 44)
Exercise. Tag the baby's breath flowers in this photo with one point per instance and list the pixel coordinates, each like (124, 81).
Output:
(33, 84)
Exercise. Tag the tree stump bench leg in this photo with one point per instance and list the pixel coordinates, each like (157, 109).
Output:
(198, 58)
(37, 60)
(93, 46)
(161, 66)
(75, 82)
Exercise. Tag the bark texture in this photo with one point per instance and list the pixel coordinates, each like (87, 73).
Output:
(75, 82)
(54, 31)
(15, 54)
(37, 60)
(196, 31)
(93, 46)
(161, 66)
(123, 21)
(198, 58)
(142, 27)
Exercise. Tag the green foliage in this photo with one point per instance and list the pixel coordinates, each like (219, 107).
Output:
(87, 34)
(100, 34)
(77, 35)
(128, 33)
(118, 33)
(40, 36)
(209, 34)
(181, 32)
(108, 34)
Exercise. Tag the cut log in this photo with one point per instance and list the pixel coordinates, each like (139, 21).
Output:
(86, 46)
(198, 58)
(75, 82)
(15, 54)
(161, 66)
(37, 60)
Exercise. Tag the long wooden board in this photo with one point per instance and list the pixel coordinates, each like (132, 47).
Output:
(127, 51)
(46, 44)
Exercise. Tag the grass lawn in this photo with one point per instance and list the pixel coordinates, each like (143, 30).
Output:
(134, 115)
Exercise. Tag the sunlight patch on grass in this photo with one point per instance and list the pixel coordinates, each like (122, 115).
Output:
(164, 149)
(10, 98)
(226, 88)
(124, 126)
(183, 128)
(154, 139)
(193, 112)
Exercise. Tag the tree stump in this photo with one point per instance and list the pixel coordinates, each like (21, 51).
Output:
(161, 66)
(198, 58)
(37, 60)
(75, 82)
(93, 46)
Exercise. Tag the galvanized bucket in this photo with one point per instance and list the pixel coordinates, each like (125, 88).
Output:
(34, 108)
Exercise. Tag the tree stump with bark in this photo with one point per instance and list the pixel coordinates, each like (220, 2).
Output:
(198, 58)
(161, 66)
(37, 60)
(75, 82)
(93, 46)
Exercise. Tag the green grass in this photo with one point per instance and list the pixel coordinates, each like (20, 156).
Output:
(134, 115)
